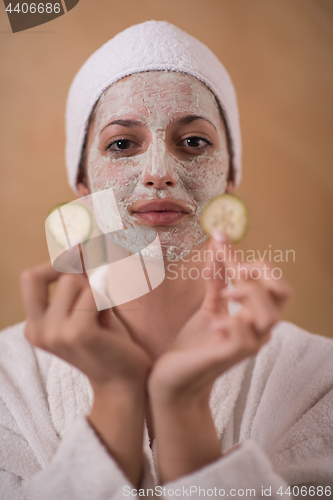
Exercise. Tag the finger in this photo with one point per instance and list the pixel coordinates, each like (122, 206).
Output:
(249, 342)
(237, 270)
(34, 289)
(216, 261)
(228, 255)
(85, 312)
(68, 290)
(262, 272)
(259, 309)
(238, 339)
(212, 301)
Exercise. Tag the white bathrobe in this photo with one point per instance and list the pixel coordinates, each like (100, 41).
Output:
(277, 405)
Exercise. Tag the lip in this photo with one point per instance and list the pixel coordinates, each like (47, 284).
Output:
(159, 212)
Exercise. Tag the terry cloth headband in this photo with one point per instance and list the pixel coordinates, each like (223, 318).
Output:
(152, 45)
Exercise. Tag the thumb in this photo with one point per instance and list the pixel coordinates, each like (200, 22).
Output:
(216, 281)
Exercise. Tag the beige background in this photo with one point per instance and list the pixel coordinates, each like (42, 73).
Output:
(280, 56)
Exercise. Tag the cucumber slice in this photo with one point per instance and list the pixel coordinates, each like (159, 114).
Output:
(55, 207)
(228, 213)
(77, 220)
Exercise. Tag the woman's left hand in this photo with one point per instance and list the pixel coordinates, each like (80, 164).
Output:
(210, 343)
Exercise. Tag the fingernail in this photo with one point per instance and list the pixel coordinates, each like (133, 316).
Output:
(219, 236)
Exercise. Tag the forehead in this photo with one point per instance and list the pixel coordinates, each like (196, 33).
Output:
(156, 94)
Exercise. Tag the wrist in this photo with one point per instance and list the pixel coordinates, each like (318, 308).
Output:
(190, 397)
(117, 417)
(183, 411)
(119, 390)
(116, 400)
(186, 437)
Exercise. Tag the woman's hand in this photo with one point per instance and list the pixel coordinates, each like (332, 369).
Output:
(98, 344)
(210, 343)
(71, 327)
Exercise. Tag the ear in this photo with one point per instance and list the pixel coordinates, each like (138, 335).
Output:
(230, 188)
(82, 189)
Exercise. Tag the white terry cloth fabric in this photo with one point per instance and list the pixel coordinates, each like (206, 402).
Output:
(277, 405)
(150, 46)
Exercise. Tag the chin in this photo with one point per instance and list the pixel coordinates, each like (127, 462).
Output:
(178, 242)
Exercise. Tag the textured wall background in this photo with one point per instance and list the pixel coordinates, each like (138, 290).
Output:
(280, 56)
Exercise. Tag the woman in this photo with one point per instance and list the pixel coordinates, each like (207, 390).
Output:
(171, 389)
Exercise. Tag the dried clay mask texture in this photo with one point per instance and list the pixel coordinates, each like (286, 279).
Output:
(156, 100)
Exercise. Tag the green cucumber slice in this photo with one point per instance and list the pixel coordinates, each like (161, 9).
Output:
(229, 214)
(77, 220)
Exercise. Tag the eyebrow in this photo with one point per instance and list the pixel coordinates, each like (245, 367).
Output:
(186, 120)
(124, 123)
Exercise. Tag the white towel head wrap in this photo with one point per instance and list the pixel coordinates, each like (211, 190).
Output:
(152, 45)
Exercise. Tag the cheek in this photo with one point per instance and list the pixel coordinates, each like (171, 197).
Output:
(207, 177)
(104, 172)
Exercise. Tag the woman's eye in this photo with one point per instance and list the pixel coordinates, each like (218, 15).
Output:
(121, 145)
(195, 142)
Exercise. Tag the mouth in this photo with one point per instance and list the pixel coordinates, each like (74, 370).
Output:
(159, 212)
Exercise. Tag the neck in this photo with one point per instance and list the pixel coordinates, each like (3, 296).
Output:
(154, 319)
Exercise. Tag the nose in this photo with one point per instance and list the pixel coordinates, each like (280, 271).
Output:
(159, 172)
(157, 182)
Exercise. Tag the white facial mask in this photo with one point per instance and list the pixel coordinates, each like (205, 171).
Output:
(155, 99)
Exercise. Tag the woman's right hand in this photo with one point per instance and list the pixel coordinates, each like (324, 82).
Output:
(70, 327)
(98, 344)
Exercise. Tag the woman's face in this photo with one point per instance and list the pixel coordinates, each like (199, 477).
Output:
(158, 140)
